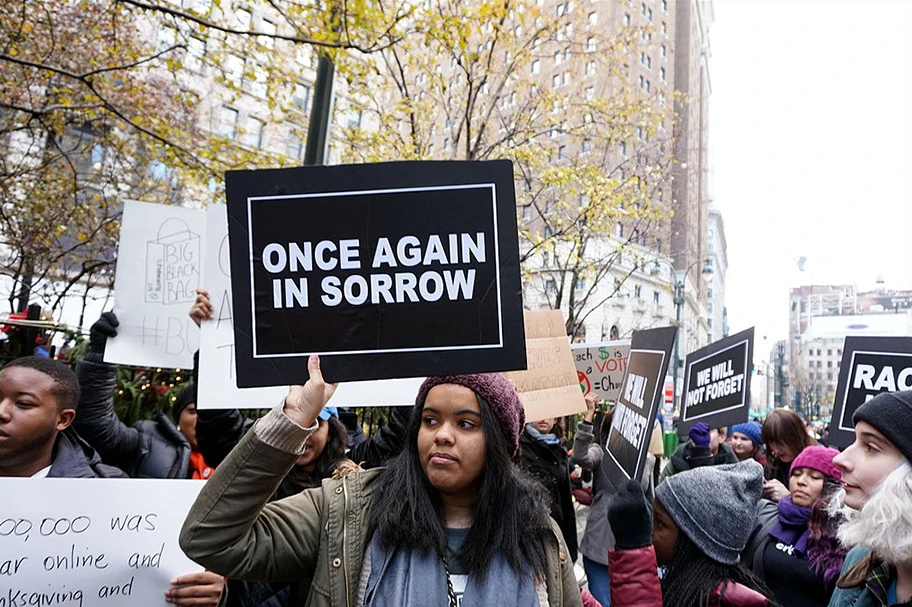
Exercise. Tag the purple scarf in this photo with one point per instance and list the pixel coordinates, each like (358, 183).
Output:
(792, 526)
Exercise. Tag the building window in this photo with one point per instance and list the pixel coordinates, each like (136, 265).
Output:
(253, 136)
(590, 93)
(586, 146)
(619, 230)
(546, 259)
(623, 148)
(301, 96)
(590, 44)
(664, 6)
(664, 51)
(548, 232)
(580, 284)
(655, 297)
(664, 28)
(592, 19)
(527, 212)
(295, 147)
(627, 20)
(583, 201)
(228, 124)
(590, 68)
(549, 285)
(555, 81)
(536, 66)
(662, 74)
(637, 291)
(561, 152)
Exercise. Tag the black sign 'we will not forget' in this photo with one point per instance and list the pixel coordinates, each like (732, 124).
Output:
(717, 383)
(401, 269)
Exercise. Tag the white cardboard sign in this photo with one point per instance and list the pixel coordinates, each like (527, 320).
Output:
(70, 542)
(217, 381)
(217, 378)
(155, 282)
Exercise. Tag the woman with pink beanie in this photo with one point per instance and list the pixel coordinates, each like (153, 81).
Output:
(794, 548)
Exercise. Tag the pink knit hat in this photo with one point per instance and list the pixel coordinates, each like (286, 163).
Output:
(819, 459)
(496, 390)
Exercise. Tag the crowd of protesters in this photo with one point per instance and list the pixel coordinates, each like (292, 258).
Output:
(457, 500)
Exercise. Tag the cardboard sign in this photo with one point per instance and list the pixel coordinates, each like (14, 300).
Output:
(403, 269)
(92, 542)
(601, 367)
(155, 282)
(549, 387)
(717, 383)
(870, 365)
(638, 402)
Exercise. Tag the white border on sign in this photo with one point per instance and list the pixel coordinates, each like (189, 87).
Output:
(492, 186)
(845, 396)
(687, 386)
(626, 372)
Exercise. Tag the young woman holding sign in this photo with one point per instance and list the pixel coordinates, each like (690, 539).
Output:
(450, 521)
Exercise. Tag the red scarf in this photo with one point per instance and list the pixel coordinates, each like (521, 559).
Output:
(198, 468)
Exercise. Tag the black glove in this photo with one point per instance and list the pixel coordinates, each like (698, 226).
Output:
(104, 327)
(630, 517)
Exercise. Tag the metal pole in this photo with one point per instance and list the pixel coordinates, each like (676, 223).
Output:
(318, 128)
(679, 303)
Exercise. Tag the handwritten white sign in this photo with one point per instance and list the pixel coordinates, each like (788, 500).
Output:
(217, 381)
(71, 542)
(155, 282)
(601, 367)
(217, 378)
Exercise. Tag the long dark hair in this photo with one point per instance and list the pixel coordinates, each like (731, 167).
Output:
(783, 426)
(327, 461)
(510, 513)
(825, 553)
(692, 577)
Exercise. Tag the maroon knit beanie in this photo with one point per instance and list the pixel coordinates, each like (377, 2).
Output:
(494, 389)
(819, 459)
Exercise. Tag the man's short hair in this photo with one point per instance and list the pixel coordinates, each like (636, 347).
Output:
(66, 385)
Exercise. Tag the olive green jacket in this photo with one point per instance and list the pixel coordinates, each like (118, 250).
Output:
(320, 533)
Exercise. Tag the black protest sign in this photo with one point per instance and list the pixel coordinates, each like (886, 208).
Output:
(401, 269)
(870, 365)
(638, 402)
(717, 383)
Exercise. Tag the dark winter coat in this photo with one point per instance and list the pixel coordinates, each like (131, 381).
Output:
(550, 464)
(635, 583)
(792, 581)
(687, 457)
(149, 449)
(853, 588)
(598, 537)
(75, 458)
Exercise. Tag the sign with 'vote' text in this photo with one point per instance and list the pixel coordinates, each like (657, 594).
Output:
(401, 269)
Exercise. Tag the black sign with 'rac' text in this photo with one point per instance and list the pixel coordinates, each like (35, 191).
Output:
(638, 403)
(717, 383)
(870, 365)
(401, 269)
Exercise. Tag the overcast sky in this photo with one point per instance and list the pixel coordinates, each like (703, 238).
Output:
(811, 149)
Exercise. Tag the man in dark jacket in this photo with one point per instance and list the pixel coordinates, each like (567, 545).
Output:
(150, 448)
(38, 399)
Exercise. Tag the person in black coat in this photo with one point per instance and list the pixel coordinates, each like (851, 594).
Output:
(545, 458)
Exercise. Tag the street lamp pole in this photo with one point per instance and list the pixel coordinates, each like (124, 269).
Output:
(679, 305)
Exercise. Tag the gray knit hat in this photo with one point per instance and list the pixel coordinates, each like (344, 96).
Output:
(715, 506)
(891, 414)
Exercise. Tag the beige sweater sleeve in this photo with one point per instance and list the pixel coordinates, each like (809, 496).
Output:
(231, 529)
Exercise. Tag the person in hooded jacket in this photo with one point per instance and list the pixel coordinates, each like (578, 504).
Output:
(794, 549)
(705, 447)
(876, 503)
(545, 458)
(155, 448)
(598, 536)
(701, 523)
